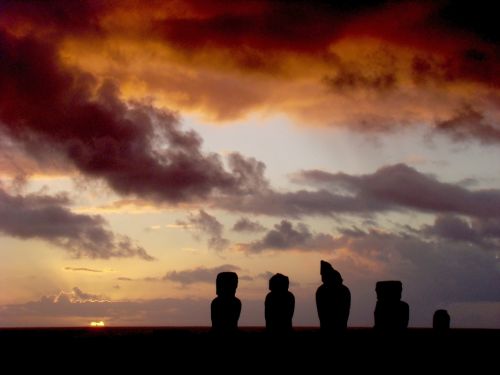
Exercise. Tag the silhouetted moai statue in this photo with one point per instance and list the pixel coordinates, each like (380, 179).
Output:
(441, 321)
(391, 314)
(226, 307)
(279, 305)
(333, 300)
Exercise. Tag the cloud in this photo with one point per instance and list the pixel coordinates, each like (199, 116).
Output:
(297, 203)
(49, 219)
(265, 275)
(207, 224)
(75, 296)
(67, 310)
(386, 64)
(402, 187)
(81, 269)
(139, 150)
(468, 123)
(482, 232)
(54, 16)
(79, 296)
(198, 275)
(269, 25)
(395, 187)
(347, 79)
(452, 254)
(285, 236)
(246, 225)
(435, 274)
(438, 269)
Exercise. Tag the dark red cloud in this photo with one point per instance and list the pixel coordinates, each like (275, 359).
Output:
(55, 15)
(135, 148)
(280, 26)
(465, 33)
(441, 45)
(464, 36)
(48, 218)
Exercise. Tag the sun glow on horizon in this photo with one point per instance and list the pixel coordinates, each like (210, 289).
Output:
(97, 324)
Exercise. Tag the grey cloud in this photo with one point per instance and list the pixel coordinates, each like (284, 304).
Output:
(453, 228)
(483, 232)
(248, 173)
(246, 225)
(440, 270)
(199, 274)
(207, 224)
(402, 187)
(286, 236)
(299, 203)
(37, 216)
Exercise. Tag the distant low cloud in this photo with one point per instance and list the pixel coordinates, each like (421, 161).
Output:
(81, 269)
(76, 295)
(246, 225)
(124, 279)
(76, 308)
(265, 275)
(207, 224)
(48, 218)
(79, 295)
(199, 274)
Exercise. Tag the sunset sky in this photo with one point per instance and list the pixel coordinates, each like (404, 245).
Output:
(146, 146)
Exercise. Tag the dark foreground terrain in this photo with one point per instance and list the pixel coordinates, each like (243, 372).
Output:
(251, 349)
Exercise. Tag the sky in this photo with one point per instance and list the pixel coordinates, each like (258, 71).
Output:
(147, 146)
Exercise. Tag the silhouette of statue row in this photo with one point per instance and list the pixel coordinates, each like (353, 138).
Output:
(333, 302)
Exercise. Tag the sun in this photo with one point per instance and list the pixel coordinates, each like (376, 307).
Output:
(97, 324)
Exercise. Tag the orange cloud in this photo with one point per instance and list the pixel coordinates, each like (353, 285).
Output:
(369, 66)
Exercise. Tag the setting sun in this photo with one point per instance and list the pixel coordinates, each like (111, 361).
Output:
(97, 324)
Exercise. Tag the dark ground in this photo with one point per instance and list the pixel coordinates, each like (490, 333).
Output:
(252, 350)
